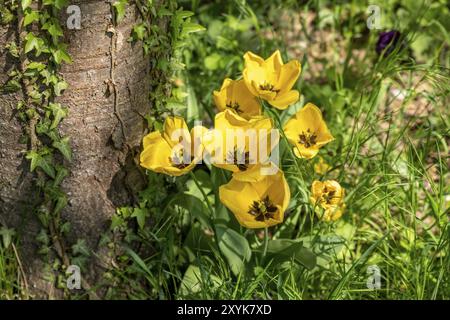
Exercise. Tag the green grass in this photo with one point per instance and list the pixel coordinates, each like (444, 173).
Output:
(392, 160)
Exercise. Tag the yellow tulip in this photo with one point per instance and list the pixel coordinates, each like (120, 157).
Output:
(257, 204)
(271, 79)
(175, 151)
(307, 131)
(329, 195)
(234, 95)
(321, 167)
(234, 144)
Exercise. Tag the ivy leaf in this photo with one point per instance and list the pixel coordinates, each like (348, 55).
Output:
(5, 16)
(190, 27)
(58, 113)
(11, 86)
(13, 49)
(60, 55)
(58, 4)
(140, 214)
(81, 248)
(60, 204)
(139, 31)
(183, 14)
(42, 161)
(64, 147)
(7, 235)
(61, 173)
(120, 7)
(42, 237)
(53, 28)
(30, 17)
(59, 87)
(164, 12)
(36, 66)
(33, 42)
(25, 4)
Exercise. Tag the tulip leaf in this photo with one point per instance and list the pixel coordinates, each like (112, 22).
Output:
(285, 249)
(234, 247)
(325, 247)
(193, 280)
(194, 205)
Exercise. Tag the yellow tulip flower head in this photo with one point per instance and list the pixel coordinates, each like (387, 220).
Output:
(234, 95)
(236, 143)
(175, 151)
(328, 195)
(257, 204)
(271, 79)
(307, 131)
(321, 167)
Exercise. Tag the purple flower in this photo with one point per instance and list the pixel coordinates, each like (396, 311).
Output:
(387, 40)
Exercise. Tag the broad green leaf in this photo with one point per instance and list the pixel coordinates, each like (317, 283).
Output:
(164, 12)
(63, 146)
(25, 4)
(11, 86)
(141, 215)
(30, 17)
(195, 206)
(61, 173)
(139, 31)
(190, 27)
(212, 61)
(60, 204)
(36, 66)
(325, 247)
(58, 4)
(59, 87)
(58, 113)
(282, 249)
(61, 55)
(183, 14)
(120, 7)
(234, 247)
(42, 161)
(32, 42)
(81, 248)
(192, 281)
(7, 235)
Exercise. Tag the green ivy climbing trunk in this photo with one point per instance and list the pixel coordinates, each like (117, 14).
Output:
(107, 98)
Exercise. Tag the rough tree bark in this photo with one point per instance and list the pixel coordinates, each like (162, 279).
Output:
(107, 96)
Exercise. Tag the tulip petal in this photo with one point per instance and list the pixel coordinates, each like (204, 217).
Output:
(156, 153)
(285, 100)
(306, 153)
(289, 75)
(251, 57)
(176, 131)
(274, 63)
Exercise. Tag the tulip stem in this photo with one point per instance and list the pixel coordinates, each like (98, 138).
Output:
(266, 241)
(279, 125)
(197, 183)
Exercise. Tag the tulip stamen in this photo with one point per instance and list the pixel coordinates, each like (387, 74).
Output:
(268, 87)
(177, 160)
(239, 158)
(328, 195)
(262, 209)
(308, 139)
(235, 106)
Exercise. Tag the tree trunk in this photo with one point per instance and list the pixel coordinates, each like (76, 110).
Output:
(107, 96)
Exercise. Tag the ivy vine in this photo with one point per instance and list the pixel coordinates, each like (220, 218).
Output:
(40, 52)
